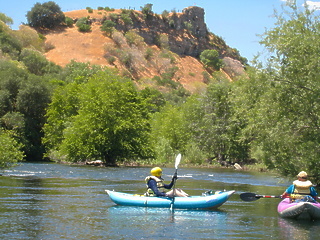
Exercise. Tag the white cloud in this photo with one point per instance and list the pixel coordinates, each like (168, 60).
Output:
(313, 5)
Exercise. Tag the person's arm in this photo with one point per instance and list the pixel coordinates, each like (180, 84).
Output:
(313, 193)
(153, 185)
(288, 191)
(169, 186)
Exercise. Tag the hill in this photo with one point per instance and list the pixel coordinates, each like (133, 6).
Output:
(145, 46)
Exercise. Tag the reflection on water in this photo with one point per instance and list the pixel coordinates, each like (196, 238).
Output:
(53, 201)
(299, 229)
(157, 223)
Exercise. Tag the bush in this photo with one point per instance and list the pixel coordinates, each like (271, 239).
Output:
(210, 58)
(108, 27)
(148, 54)
(89, 9)
(134, 39)
(69, 21)
(10, 152)
(83, 24)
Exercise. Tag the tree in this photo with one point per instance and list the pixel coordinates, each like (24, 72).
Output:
(210, 58)
(36, 62)
(108, 27)
(4, 18)
(32, 100)
(110, 121)
(10, 152)
(284, 119)
(168, 135)
(8, 43)
(46, 15)
(147, 11)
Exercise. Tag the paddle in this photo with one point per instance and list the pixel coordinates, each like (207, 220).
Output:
(176, 164)
(248, 197)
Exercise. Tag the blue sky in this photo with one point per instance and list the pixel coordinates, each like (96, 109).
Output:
(237, 21)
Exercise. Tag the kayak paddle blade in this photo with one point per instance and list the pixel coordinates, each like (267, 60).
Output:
(249, 197)
(177, 162)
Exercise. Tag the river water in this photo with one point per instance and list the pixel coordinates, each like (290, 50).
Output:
(55, 201)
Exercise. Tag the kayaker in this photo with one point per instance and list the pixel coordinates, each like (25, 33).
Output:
(156, 186)
(301, 189)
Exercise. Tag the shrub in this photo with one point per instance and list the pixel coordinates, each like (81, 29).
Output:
(69, 21)
(148, 54)
(108, 27)
(83, 24)
(134, 39)
(119, 39)
(108, 9)
(210, 58)
(165, 15)
(89, 9)
(114, 17)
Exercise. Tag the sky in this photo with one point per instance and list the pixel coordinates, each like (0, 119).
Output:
(238, 22)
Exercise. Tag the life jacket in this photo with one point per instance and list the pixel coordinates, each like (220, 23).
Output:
(301, 189)
(160, 185)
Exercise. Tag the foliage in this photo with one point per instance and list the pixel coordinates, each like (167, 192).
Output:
(108, 27)
(210, 58)
(4, 18)
(147, 11)
(10, 152)
(9, 45)
(29, 38)
(168, 135)
(89, 9)
(126, 18)
(46, 15)
(106, 120)
(23, 100)
(69, 21)
(83, 24)
(36, 63)
(133, 38)
(280, 103)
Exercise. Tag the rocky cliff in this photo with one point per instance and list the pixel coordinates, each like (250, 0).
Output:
(173, 41)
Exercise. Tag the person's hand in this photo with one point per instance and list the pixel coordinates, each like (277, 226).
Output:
(175, 176)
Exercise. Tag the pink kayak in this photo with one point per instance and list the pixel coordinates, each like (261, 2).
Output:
(299, 210)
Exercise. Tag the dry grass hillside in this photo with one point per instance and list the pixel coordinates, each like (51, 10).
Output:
(69, 44)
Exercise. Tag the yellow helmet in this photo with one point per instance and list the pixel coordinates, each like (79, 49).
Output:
(156, 171)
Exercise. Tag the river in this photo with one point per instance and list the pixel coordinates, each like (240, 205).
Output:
(55, 201)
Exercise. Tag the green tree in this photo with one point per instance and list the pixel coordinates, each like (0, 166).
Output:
(111, 122)
(210, 58)
(147, 11)
(46, 15)
(10, 152)
(168, 135)
(284, 119)
(108, 27)
(4, 18)
(32, 100)
(37, 63)
(9, 45)
(213, 126)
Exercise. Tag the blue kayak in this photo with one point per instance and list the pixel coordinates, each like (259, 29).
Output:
(207, 201)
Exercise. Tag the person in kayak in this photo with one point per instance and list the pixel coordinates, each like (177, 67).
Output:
(301, 189)
(156, 186)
